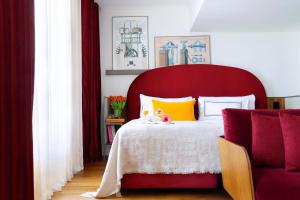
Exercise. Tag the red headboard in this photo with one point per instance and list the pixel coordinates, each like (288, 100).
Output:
(194, 80)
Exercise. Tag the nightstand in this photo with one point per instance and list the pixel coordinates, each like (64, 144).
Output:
(111, 127)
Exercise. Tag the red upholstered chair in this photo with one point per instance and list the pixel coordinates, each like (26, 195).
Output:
(244, 180)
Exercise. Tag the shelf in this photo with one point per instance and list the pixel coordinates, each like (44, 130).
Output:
(125, 72)
(114, 120)
(287, 97)
(114, 123)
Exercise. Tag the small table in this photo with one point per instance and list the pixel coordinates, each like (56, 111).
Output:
(111, 127)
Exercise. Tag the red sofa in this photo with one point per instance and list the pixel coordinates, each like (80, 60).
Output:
(244, 180)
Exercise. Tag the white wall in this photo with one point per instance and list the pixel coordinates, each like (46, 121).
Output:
(273, 57)
(161, 22)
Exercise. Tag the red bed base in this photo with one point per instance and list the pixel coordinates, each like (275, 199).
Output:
(163, 181)
(187, 80)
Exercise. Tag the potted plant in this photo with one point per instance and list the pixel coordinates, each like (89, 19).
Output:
(117, 104)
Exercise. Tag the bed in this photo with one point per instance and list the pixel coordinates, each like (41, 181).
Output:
(188, 80)
(172, 82)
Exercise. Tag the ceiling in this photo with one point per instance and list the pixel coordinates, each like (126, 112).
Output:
(248, 15)
(230, 15)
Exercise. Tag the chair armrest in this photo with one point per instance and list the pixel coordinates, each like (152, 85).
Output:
(236, 170)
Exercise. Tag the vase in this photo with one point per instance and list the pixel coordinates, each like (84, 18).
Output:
(117, 113)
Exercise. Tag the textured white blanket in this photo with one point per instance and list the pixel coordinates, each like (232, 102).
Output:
(181, 148)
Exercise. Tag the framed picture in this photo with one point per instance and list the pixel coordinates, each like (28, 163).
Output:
(182, 50)
(130, 43)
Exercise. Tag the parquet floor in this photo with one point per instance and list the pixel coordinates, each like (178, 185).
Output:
(89, 179)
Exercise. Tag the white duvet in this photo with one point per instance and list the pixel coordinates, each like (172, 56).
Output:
(180, 147)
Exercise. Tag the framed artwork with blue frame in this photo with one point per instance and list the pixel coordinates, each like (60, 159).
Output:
(179, 50)
(130, 42)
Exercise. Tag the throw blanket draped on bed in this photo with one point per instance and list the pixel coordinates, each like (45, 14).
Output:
(177, 148)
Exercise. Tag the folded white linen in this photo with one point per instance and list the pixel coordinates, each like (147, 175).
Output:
(176, 148)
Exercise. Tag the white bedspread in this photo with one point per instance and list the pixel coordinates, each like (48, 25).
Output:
(181, 148)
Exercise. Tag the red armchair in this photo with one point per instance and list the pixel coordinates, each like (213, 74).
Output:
(244, 180)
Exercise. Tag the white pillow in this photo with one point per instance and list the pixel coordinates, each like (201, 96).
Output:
(211, 107)
(146, 102)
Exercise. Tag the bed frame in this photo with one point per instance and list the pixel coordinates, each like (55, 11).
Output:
(188, 80)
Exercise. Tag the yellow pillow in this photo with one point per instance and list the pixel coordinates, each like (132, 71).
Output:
(178, 111)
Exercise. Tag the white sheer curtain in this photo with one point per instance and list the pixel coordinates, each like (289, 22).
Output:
(57, 112)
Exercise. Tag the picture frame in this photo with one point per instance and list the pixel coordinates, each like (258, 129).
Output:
(176, 50)
(130, 43)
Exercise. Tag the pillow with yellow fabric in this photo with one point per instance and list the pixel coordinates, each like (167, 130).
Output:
(178, 111)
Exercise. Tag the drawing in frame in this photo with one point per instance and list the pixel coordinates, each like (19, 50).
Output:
(130, 42)
(177, 50)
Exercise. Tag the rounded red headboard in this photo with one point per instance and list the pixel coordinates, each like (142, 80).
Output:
(194, 80)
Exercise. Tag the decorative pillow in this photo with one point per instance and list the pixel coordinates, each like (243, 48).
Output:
(267, 140)
(290, 125)
(178, 111)
(146, 103)
(211, 107)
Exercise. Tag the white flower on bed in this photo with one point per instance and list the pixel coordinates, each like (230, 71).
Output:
(153, 118)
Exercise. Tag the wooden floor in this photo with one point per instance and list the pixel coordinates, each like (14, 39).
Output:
(89, 179)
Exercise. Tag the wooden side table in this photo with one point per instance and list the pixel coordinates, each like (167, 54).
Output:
(111, 127)
(286, 102)
(276, 103)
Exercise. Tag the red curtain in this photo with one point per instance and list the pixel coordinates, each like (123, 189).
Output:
(16, 98)
(91, 81)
